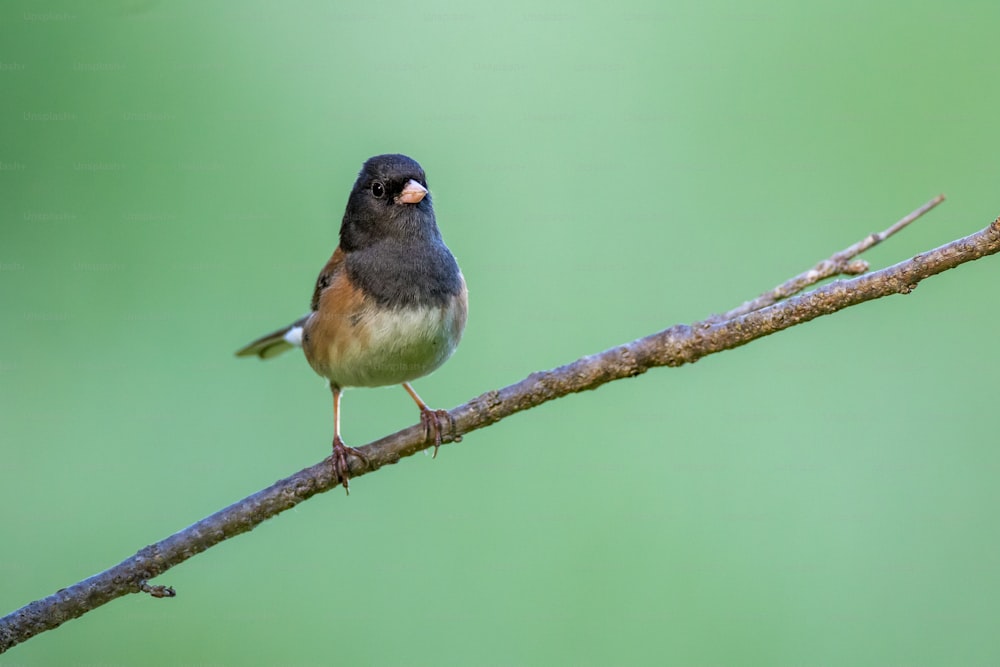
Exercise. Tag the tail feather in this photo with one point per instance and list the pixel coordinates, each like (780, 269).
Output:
(275, 342)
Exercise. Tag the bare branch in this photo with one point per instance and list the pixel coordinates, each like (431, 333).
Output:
(838, 264)
(675, 346)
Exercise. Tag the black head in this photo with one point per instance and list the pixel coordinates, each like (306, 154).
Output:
(389, 201)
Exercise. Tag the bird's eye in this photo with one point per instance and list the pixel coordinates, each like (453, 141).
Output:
(378, 190)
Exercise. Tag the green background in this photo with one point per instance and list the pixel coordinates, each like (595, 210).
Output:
(172, 177)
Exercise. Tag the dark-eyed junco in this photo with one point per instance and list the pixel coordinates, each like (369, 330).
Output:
(390, 305)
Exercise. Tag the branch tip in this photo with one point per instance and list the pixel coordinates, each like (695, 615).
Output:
(158, 591)
(837, 264)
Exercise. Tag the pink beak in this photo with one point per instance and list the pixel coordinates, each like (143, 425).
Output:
(413, 193)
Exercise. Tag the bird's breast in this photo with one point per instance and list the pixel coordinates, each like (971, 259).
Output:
(370, 346)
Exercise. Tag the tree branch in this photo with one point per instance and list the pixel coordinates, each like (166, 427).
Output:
(678, 345)
(838, 264)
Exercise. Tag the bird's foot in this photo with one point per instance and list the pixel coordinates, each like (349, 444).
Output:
(433, 422)
(340, 451)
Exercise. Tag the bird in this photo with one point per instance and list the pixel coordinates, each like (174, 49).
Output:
(389, 306)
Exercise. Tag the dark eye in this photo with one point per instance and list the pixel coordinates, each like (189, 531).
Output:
(378, 190)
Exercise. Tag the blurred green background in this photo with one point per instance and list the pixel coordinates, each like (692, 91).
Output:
(172, 177)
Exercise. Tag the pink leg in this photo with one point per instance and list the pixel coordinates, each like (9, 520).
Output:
(340, 450)
(431, 420)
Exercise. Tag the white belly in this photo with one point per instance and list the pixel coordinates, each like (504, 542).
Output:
(400, 346)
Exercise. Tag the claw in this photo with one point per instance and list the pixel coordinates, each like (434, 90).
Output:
(433, 423)
(340, 451)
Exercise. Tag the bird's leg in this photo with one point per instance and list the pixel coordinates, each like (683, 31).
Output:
(340, 450)
(431, 420)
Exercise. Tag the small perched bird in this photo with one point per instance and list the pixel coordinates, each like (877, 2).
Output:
(390, 305)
